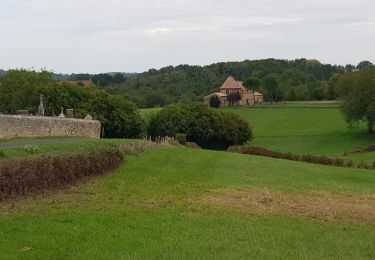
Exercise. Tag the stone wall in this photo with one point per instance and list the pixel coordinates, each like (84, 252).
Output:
(35, 126)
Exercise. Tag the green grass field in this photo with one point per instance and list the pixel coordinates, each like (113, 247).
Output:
(177, 203)
(304, 130)
(180, 203)
(16, 147)
(301, 127)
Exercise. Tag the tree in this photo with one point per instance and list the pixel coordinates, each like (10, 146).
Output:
(207, 127)
(192, 83)
(234, 97)
(121, 118)
(101, 80)
(349, 68)
(118, 78)
(365, 65)
(357, 90)
(21, 90)
(253, 84)
(215, 101)
(270, 83)
(370, 115)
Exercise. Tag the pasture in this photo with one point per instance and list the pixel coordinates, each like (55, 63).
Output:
(313, 129)
(193, 204)
(180, 203)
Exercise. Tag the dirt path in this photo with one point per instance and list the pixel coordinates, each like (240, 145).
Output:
(327, 207)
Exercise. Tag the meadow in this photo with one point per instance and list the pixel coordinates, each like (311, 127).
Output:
(180, 203)
(315, 129)
(184, 203)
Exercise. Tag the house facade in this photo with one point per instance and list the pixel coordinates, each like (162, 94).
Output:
(232, 87)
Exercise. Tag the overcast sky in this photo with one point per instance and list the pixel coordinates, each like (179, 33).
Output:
(132, 36)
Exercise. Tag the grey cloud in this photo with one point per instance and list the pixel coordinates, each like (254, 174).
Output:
(136, 35)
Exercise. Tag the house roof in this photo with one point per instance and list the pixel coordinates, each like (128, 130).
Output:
(231, 83)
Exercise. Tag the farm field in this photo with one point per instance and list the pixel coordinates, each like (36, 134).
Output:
(315, 128)
(173, 203)
(304, 130)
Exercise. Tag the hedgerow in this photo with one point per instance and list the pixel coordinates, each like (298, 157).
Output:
(302, 158)
(37, 173)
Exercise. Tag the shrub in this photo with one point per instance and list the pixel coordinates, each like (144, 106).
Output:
(181, 138)
(203, 125)
(215, 101)
(349, 163)
(2, 154)
(31, 149)
(294, 157)
(19, 176)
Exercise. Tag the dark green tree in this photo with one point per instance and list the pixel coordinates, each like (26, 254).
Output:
(20, 89)
(101, 80)
(118, 78)
(270, 84)
(215, 101)
(207, 127)
(370, 115)
(253, 84)
(365, 65)
(357, 90)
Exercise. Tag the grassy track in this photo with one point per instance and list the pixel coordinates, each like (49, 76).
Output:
(156, 207)
(51, 145)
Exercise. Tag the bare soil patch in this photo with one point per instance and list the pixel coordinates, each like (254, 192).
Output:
(326, 207)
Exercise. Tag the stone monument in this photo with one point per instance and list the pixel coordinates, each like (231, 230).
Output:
(62, 116)
(69, 113)
(41, 106)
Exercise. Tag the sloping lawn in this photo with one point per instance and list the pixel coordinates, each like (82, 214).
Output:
(172, 203)
(303, 130)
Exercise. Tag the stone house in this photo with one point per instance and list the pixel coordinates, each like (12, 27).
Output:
(247, 97)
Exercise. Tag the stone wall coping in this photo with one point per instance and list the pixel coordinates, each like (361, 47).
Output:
(47, 118)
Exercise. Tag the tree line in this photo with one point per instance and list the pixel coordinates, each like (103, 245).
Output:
(20, 90)
(209, 128)
(278, 80)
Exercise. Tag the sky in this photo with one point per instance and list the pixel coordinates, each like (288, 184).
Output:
(73, 36)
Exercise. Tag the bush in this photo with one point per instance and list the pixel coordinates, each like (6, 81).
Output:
(203, 125)
(215, 101)
(294, 157)
(19, 176)
(2, 154)
(181, 138)
(31, 149)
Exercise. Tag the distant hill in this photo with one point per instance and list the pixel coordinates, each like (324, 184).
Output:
(297, 79)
